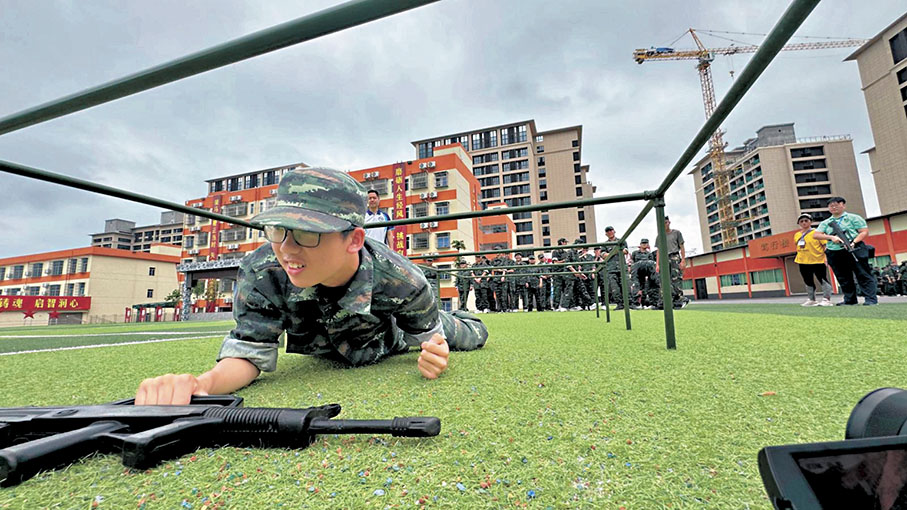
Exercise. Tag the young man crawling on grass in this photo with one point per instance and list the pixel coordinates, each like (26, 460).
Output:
(336, 294)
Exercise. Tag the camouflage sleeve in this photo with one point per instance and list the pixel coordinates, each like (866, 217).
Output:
(259, 323)
(417, 316)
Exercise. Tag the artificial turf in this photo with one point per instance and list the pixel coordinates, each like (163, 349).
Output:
(558, 410)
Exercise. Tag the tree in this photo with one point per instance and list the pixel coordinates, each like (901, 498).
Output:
(173, 298)
(458, 245)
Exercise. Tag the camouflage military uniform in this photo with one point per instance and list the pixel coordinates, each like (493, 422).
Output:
(544, 288)
(615, 287)
(643, 279)
(674, 243)
(498, 284)
(601, 274)
(890, 280)
(432, 276)
(463, 282)
(518, 288)
(481, 272)
(559, 280)
(586, 282)
(386, 307)
(902, 279)
(533, 300)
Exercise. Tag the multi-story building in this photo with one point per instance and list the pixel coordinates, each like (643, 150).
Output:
(436, 185)
(519, 165)
(83, 285)
(883, 74)
(773, 179)
(124, 235)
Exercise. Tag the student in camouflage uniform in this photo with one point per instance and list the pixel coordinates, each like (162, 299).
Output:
(890, 280)
(585, 282)
(601, 274)
(559, 280)
(533, 283)
(568, 298)
(432, 276)
(519, 284)
(677, 256)
(544, 288)
(335, 293)
(463, 282)
(643, 278)
(902, 279)
(615, 286)
(507, 284)
(497, 283)
(480, 273)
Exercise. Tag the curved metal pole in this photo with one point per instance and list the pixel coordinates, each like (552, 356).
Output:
(302, 29)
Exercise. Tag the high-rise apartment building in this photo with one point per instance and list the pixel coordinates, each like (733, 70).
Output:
(883, 73)
(519, 165)
(774, 178)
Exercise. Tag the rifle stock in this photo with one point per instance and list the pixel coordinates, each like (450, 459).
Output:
(33, 439)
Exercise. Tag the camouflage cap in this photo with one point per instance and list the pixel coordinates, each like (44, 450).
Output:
(316, 200)
(643, 241)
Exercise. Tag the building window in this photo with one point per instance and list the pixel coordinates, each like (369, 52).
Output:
(515, 134)
(56, 267)
(70, 288)
(516, 190)
(491, 193)
(540, 161)
(32, 291)
(539, 149)
(579, 191)
(441, 179)
(151, 271)
(80, 289)
(546, 242)
(420, 241)
(73, 266)
(806, 152)
(485, 170)
(484, 140)
(515, 153)
(767, 276)
(546, 230)
(524, 239)
(576, 156)
(443, 240)
(575, 143)
(543, 172)
(543, 184)
(519, 177)
(577, 167)
(83, 266)
(420, 210)
(515, 165)
(899, 46)
(485, 158)
(577, 179)
(539, 138)
(516, 202)
(581, 215)
(379, 185)
(420, 180)
(442, 208)
(149, 293)
(729, 280)
(810, 164)
(17, 272)
(489, 181)
(524, 227)
(543, 195)
(545, 219)
(53, 290)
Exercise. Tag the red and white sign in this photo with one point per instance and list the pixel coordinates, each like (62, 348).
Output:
(399, 192)
(44, 303)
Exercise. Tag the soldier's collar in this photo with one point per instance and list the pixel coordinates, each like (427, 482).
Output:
(358, 297)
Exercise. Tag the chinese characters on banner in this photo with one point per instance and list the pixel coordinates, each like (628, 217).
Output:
(213, 241)
(43, 303)
(777, 245)
(399, 193)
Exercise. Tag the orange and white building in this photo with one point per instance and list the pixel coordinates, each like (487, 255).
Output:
(83, 285)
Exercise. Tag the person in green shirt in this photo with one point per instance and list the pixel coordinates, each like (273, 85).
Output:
(849, 266)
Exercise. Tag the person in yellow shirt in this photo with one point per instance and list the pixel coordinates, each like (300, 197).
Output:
(811, 261)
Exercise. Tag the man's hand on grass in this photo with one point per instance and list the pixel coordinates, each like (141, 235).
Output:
(169, 389)
(434, 356)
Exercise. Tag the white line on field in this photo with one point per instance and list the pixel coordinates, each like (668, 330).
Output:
(94, 346)
(112, 334)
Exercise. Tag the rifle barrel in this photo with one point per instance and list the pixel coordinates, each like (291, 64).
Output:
(412, 426)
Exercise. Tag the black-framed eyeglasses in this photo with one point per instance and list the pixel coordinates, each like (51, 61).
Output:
(276, 234)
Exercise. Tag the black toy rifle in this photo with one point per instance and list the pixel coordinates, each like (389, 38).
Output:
(34, 439)
(845, 239)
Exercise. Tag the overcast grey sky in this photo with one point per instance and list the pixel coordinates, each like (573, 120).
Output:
(356, 98)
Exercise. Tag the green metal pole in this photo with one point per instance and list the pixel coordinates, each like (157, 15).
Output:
(508, 250)
(625, 292)
(607, 299)
(302, 29)
(595, 291)
(792, 18)
(72, 182)
(664, 267)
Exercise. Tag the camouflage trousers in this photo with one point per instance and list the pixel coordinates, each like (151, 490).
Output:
(532, 298)
(644, 287)
(676, 281)
(615, 288)
(484, 298)
(560, 284)
(500, 296)
(518, 291)
(581, 291)
(463, 295)
(545, 295)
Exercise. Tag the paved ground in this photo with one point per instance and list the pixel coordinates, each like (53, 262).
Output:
(790, 300)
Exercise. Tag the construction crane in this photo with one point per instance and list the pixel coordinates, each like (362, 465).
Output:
(705, 56)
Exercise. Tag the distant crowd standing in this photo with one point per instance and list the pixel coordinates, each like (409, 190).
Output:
(567, 280)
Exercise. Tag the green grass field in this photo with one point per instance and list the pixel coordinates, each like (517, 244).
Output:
(559, 410)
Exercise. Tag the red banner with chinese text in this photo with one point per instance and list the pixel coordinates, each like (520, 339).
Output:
(777, 245)
(214, 240)
(399, 192)
(41, 303)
